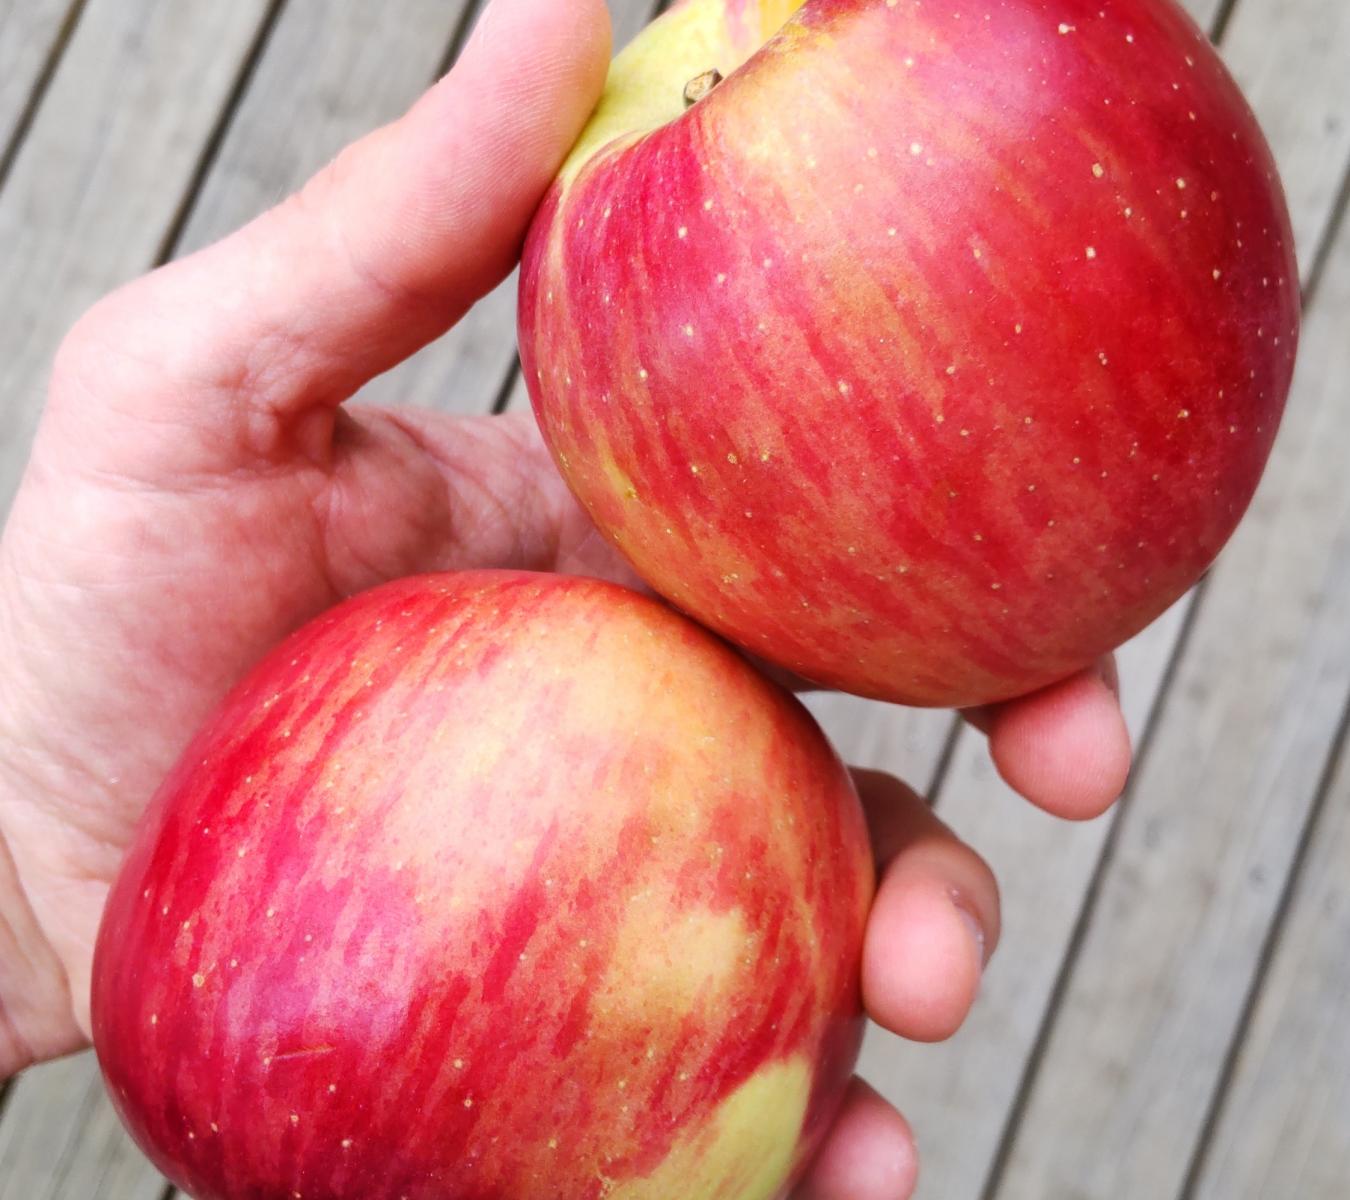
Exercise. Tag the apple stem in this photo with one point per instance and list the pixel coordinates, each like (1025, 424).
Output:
(700, 86)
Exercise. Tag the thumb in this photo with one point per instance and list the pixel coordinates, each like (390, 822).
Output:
(378, 254)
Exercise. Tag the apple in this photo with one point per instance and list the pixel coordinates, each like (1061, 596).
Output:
(492, 886)
(935, 349)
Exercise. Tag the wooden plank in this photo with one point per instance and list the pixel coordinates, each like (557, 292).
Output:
(60, 1140)
(103, 168)
(464, 371)
(957, 1095)
(97, 181)
(1203, 12)
(336, 71)
(1292, 58)
(907, 742)
(1284, 1129)
(30, 33)
(330, 71)
(1140, 1041)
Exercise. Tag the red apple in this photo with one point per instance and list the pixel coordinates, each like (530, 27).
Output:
(490, 887)
(937, 349)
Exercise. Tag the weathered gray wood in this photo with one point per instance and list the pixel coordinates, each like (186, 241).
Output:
(1284, 1129)
(101, 173)
(29, 30)
(957, 1095)
(1203, 12)
(907, 742)
(1292, 58)
(330, 73)
(1140, 1039)
(60, 1140)
(464, 371)
(98, 179)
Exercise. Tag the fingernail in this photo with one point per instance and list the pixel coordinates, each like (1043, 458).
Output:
(973, 924)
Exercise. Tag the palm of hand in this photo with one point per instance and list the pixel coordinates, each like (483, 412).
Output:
(149, 571)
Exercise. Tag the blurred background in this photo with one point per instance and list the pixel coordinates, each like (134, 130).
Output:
(1169, 1014)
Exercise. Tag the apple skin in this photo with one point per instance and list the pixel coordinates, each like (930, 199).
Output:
(492, 886)
(935, 352)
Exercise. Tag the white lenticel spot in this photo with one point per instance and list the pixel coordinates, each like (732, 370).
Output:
(1092, 252)
(1098, 170)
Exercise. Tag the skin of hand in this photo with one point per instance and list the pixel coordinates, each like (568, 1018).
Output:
(198, 489)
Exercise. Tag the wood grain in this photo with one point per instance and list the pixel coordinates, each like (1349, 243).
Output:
(331, 72)
(60, 1140)
(1204, 12)
(1139, 1043)
(1121, 1077)
(99, 177)
(104, 167)
(30, 32)
(1284, 1125)
(957, 1095)
(1292, 59)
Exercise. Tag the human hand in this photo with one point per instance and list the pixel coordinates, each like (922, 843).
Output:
(197, 490)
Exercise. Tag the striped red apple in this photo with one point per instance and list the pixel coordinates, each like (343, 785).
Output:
(490, 886)
(936, 349)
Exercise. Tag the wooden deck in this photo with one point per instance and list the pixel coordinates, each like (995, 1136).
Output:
(1169, 1015)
